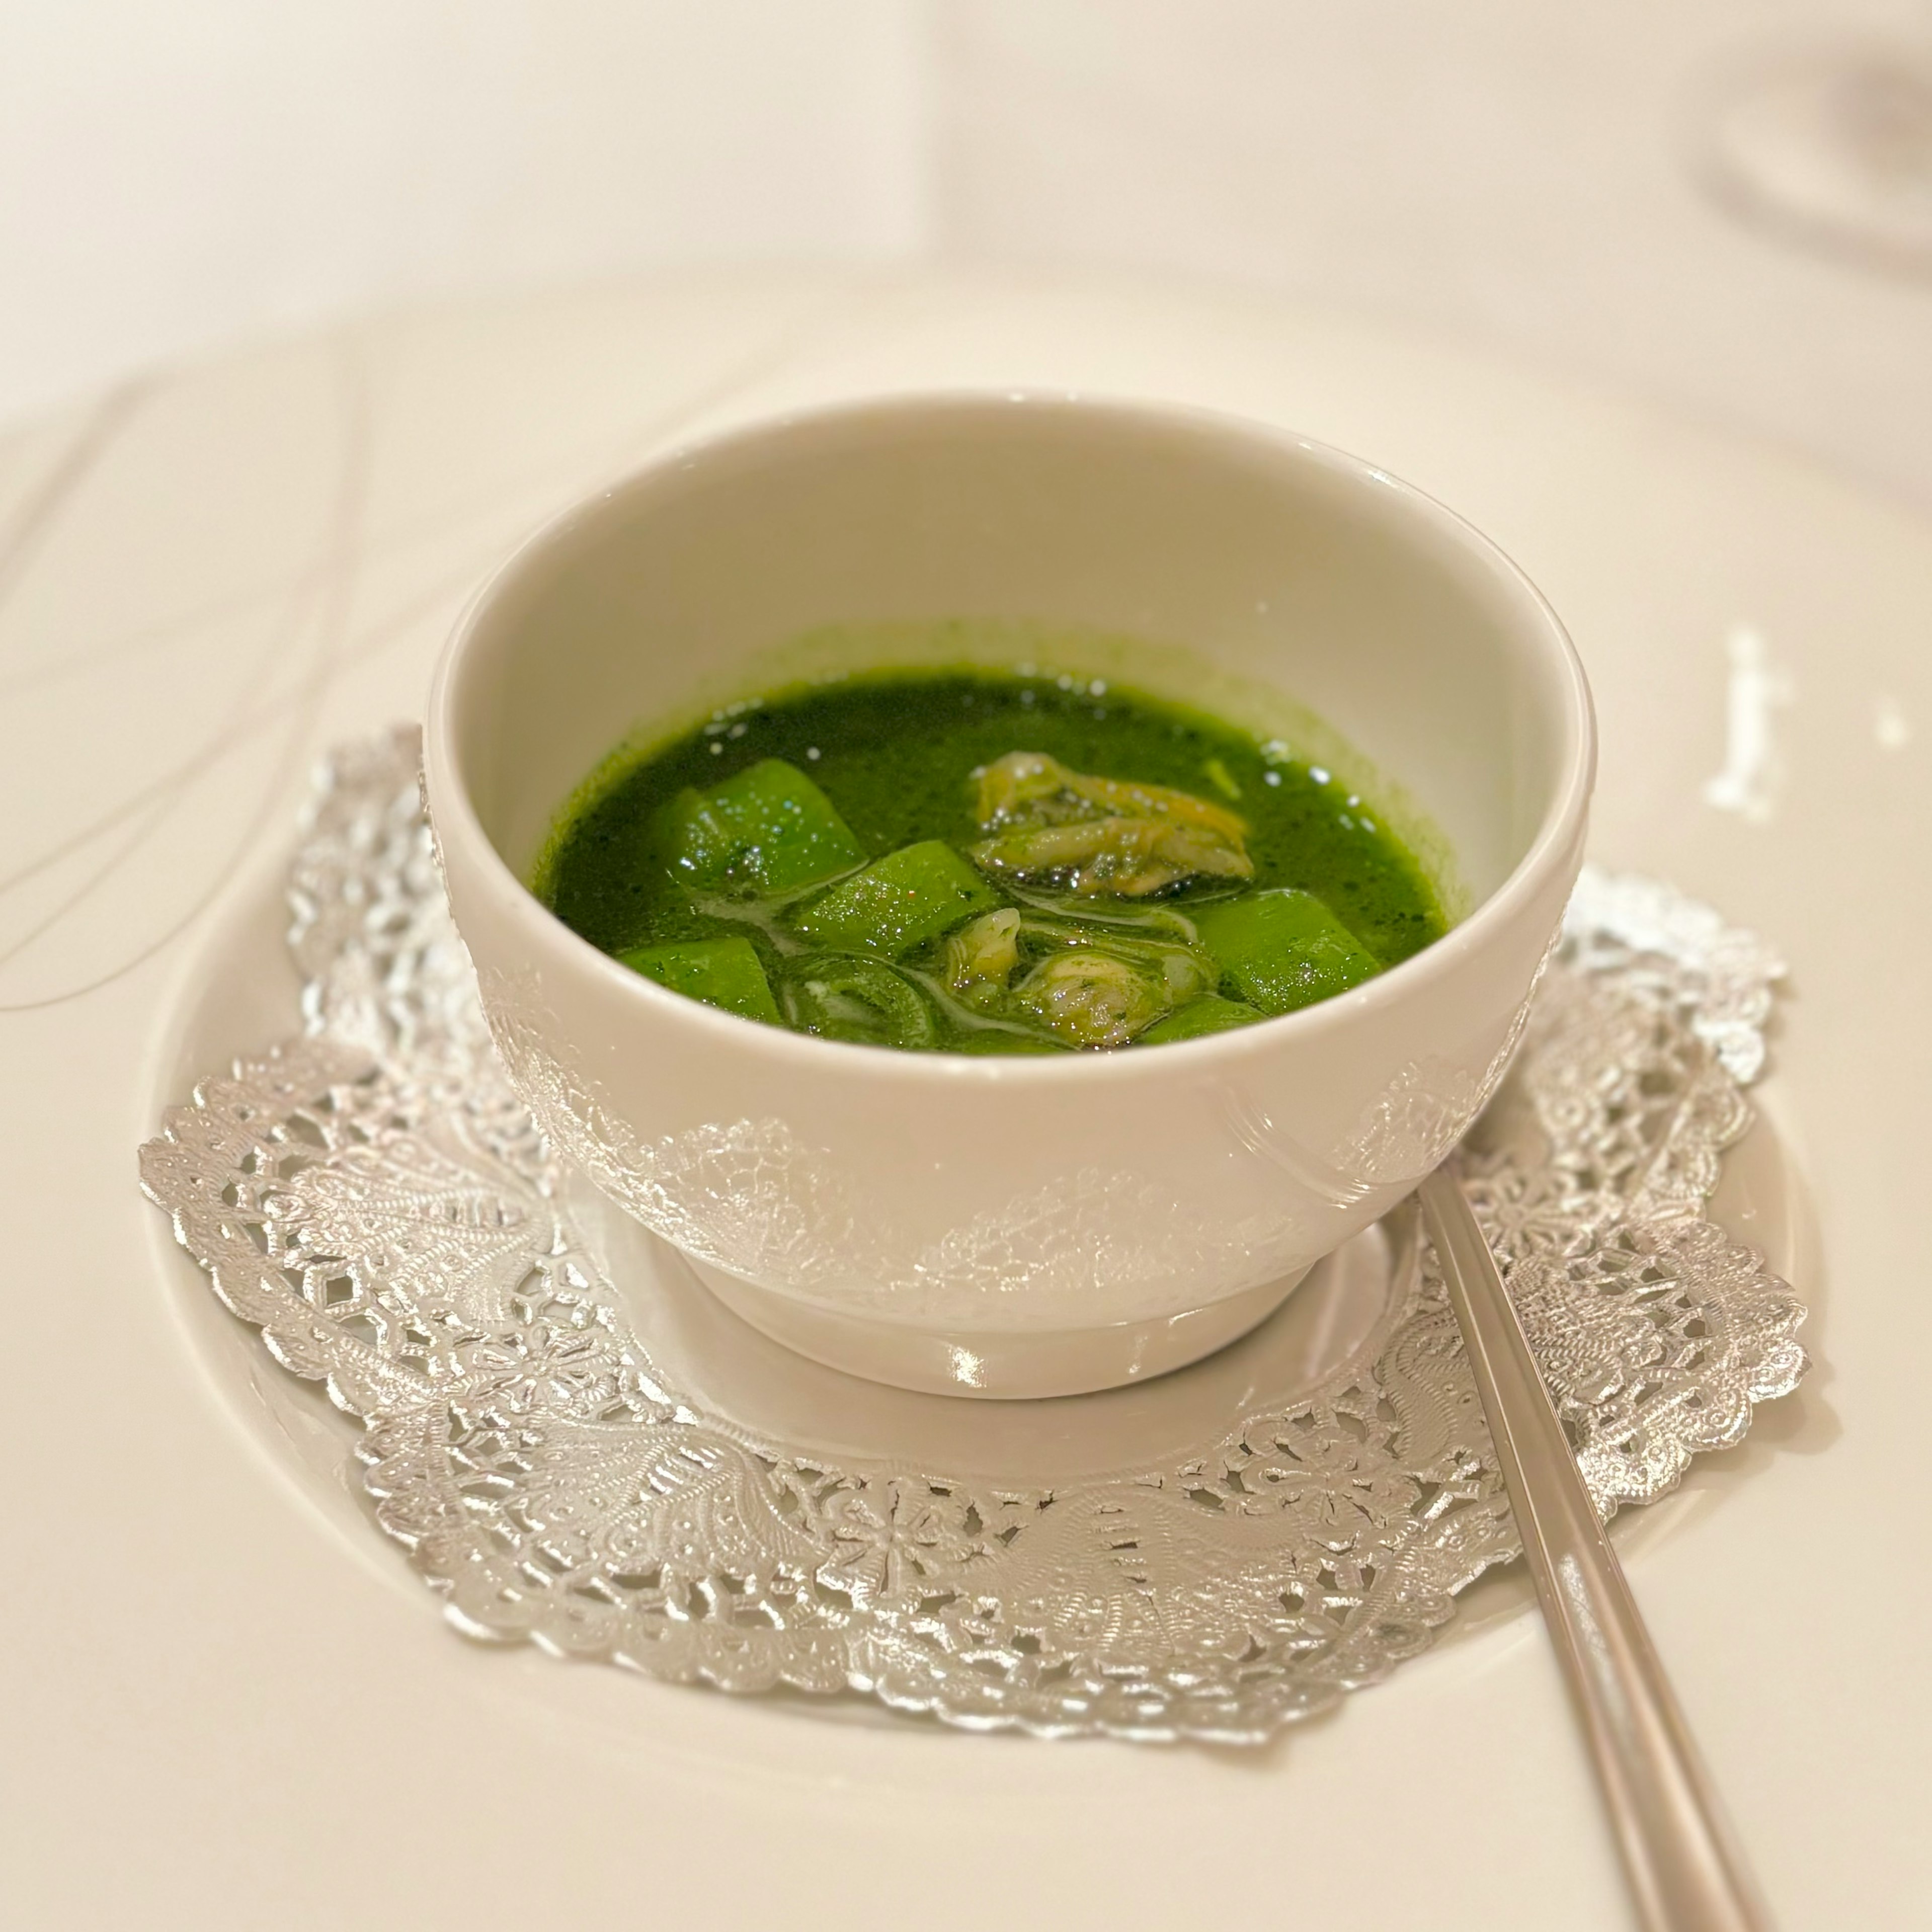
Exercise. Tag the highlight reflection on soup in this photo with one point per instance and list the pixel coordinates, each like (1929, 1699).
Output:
(975, 863)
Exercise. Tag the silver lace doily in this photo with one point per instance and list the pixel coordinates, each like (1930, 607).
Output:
(372, 1195)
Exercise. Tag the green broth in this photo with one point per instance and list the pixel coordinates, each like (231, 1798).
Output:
(896, 753)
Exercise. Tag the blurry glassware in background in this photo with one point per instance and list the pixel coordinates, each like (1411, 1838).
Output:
(1830, 142)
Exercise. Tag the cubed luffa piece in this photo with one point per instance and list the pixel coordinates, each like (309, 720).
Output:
(896, 903)
(768, 829)
(1209, 1014)
(998, 1042)
(1283, 949)
(722, 973)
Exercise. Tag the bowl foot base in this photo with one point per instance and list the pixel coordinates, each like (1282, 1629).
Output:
(998, 1366)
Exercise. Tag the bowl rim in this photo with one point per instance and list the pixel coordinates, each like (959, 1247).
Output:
(447, 795)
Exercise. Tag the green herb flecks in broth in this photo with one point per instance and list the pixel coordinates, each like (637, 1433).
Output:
(986, 863)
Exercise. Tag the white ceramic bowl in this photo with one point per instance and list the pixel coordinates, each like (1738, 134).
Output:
(1018, 1226)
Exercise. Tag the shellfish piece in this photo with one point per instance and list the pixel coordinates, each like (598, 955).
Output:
(766, 829)
(1094, 835)
(980, 957)
(1092, 998)
(1032, 787)
(910, 896)
(1127, 858)
(863, 1001)
(723, 973)
(1283, 949)
(1181, 971)
(1209, 1014)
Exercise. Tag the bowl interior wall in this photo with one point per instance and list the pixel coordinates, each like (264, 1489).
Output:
(1278, 568)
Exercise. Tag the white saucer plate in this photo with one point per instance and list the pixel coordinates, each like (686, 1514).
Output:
(211, 579)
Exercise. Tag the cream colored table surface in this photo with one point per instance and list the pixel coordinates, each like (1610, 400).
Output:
(220, 1711)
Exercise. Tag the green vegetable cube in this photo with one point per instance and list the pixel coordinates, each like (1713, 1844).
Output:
(1210, 1013)
(897, 902)
(990, 1043)
(765, 829)
(722, 973)
(1282, 949)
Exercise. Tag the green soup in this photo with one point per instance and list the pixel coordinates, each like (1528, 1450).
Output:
(968, 861)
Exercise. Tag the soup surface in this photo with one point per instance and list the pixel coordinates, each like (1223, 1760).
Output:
(971, 862)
